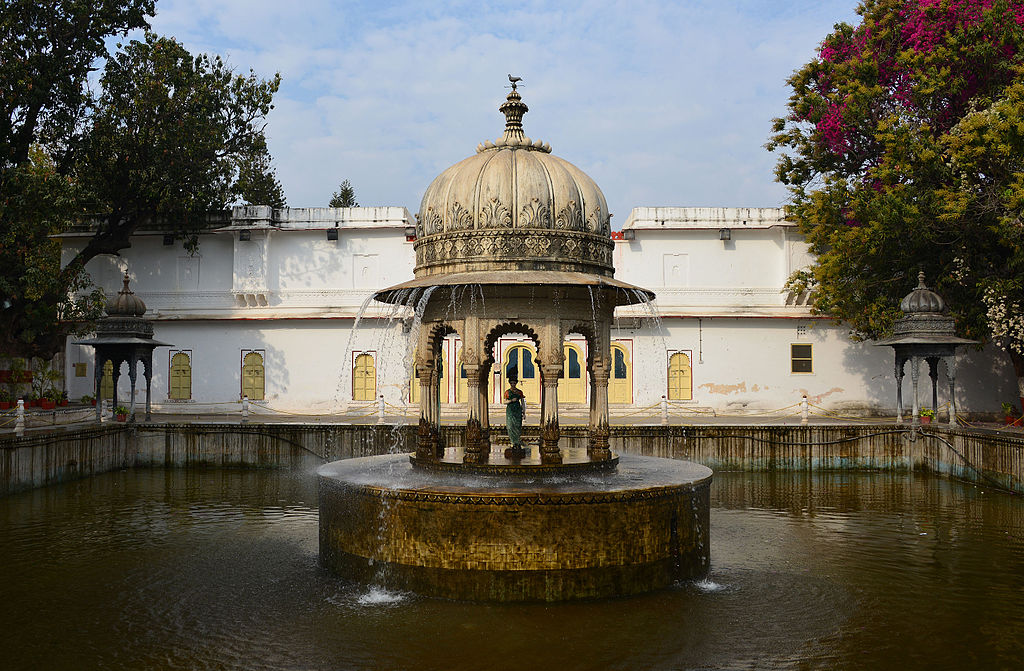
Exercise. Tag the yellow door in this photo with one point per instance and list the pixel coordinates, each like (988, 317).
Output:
(181, 377)
(253, 376)
(521, 357)
(107, 381)
(461, 386)
(680, 378)
(364, 379)
(620, 384)
(571, 388)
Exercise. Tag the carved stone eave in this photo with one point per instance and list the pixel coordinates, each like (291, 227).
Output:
(620, 293)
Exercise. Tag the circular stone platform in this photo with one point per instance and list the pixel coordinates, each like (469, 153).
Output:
(575, 461)
(514, 538)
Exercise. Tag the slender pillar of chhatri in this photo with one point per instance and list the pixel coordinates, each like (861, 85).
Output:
(514, 240)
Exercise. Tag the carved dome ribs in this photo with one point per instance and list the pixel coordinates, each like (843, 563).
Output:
(513, 205)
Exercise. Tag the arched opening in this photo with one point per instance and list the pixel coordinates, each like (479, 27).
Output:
(620, 382)
(680, 378)
(522, 358)
(180, 377)
(364, 378)
(571, 386)
(253, 376)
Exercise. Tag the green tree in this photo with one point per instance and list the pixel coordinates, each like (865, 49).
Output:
(47, 50)
(257, 182)
(345, 196)
(902, 150)
(168, 137)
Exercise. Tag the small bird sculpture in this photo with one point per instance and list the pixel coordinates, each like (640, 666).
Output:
(514, 80)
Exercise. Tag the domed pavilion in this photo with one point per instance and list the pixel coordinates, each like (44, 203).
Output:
(925, 333)
(513, 240)
(124, 335)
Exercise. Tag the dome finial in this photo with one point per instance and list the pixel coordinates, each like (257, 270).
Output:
(920, 280)
(514, 108)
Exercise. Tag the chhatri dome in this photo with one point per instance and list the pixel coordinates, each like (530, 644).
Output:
(513, 206)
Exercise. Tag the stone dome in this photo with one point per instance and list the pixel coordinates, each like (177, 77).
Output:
(513, 206)
(923, 300)
(127, 304)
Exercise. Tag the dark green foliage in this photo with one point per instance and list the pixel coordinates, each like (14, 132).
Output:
(47, 50)
(345, 196)
(169, 138)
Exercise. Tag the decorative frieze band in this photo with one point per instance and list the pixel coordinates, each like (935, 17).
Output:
(571, 247)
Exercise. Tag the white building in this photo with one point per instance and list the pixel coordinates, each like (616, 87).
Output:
(275, 305)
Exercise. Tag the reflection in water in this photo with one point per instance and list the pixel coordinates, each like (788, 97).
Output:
(218, 569)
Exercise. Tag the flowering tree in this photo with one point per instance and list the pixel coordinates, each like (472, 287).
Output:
(903, 150)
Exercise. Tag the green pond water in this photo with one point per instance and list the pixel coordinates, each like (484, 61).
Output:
(217, 569)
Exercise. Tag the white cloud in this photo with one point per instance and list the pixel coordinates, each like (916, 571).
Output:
(661, 103)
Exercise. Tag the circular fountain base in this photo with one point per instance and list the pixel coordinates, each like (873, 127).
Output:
(514, 538)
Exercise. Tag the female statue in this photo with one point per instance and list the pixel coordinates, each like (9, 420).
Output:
(515, 405)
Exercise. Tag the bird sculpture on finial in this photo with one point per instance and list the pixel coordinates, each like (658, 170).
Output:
(514, 80)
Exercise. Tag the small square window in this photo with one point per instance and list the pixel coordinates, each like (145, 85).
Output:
(81, 369)
(801, 331)
(800, 359)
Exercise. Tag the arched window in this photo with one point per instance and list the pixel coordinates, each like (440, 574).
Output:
(620, 383)
(181, 377)
(680, 378)
(107, 382)
(253, 383)
(364, 378)
(521, 357)
(571, 387)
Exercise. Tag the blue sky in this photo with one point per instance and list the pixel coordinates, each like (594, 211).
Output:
(661, 103)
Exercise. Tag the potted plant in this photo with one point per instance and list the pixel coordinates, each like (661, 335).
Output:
(5, 400)
(47, 381)
(1010, 415)
(62, 398)
(926, 415)
(88, 399)
(48, 401)
(121, 413)
(16, 378)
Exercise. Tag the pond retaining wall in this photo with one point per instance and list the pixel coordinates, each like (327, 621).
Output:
(987, 457)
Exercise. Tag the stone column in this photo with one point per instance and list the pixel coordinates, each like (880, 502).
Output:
(951, 376)
(933, 373)
(549, 431)
(133, 374)
(597, 447)
(476, 450)
(484, 390)
(426, 441)
(900, 361)
(97, 375)
(435, 407)
(147, 372)
(116, 364)
(552, 358)
(600, 364)
(915, 375)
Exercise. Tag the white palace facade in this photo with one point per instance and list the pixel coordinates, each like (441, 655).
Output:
(275, 306)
